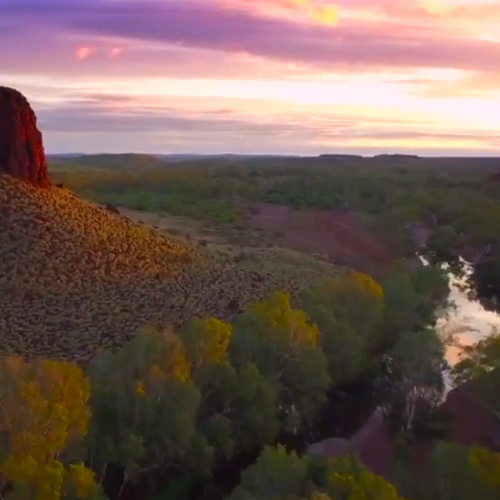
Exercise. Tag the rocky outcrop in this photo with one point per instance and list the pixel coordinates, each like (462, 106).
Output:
(21, 149)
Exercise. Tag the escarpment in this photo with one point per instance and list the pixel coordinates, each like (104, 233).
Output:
(21, 148)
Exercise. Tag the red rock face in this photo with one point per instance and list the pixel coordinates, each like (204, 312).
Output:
(21, 148)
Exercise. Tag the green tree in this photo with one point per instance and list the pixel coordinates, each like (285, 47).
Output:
(462, 473)
(350, 480)
(239, 408)
(413, 301)
(345, 334)
(276, 475)
(279, 475)
(144, 408)
(284, 346)
(441, 244)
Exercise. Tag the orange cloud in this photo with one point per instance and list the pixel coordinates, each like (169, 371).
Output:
(83, 53)
(319, 11)
(325, 14)
(300, 3)
(322, 12)
(436, 7)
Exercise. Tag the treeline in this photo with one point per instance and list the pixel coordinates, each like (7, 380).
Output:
(463, 198)
(183, 412)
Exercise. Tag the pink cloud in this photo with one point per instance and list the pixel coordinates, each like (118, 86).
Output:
(405, 35)
(83, 52)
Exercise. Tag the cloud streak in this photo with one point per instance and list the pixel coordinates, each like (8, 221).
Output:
(101, 113)
(214, 25)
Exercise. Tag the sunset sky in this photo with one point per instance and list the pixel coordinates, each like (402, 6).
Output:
(258, 76)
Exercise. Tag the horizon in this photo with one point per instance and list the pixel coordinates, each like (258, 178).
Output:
(258, 77)
(277, 155)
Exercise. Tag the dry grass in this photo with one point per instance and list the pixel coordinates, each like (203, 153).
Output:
(75, 278)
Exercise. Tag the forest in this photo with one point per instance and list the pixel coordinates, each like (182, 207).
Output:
(232, 408)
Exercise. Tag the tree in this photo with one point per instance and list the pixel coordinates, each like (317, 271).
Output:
(239, 408)
(206, 341)
(43, 418)
(431, 283)
(283, 345)
(144, 408)
(276, 475)
(413, 301)
(400, 307)
(441, 244)
(413, 384)
(462, 473)
(485, 280)
(350, 480)
(279, 475)
(345, 334)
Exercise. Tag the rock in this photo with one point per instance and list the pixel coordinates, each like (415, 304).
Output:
(21, 149)
(111, 208)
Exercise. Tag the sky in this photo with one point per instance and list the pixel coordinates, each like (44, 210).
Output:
(258, 76)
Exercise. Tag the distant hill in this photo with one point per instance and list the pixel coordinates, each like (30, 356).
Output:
(107, 161)
(396, 156)
(63, 156)
(138, 162)
(340, 157)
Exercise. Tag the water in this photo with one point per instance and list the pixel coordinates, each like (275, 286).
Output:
(467, 321)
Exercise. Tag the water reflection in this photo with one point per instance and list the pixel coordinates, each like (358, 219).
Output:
(467, 321)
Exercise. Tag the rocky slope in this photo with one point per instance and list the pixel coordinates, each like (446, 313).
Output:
(75, 277)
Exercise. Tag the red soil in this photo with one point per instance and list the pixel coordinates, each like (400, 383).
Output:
(337, 235)
(471, 424)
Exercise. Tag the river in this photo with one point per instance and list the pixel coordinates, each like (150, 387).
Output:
(467, 322)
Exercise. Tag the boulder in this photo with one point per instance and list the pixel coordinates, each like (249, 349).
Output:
(111, 208)
(21, 149)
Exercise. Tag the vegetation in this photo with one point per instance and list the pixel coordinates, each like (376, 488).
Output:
(171, 407)
(44, 415)
(278, 475)
(89, 279)
(177, 405)
(251, 347)
(454, 200)
(458, 473)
